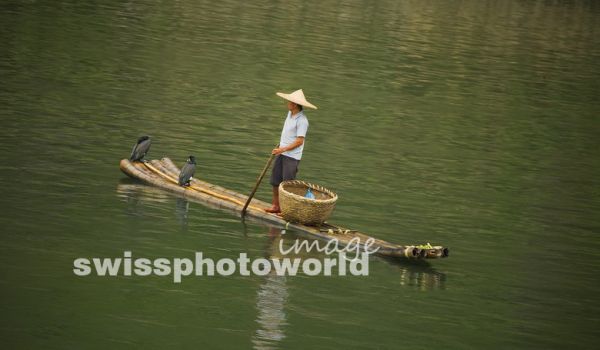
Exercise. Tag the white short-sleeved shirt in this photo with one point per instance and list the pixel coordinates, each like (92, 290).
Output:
(294, 127)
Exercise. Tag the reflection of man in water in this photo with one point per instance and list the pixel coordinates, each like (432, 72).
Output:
(271, 298)
(270, 302)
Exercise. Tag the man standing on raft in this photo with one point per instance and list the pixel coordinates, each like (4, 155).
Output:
(291, 143)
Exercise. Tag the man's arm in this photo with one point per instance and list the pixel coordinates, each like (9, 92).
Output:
(299, 141)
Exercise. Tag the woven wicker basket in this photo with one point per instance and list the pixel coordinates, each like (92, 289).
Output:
(296, 208)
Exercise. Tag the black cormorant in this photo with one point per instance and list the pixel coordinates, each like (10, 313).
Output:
(187, 171)
(140, 149)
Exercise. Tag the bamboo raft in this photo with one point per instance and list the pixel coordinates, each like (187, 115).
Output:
(164, 173)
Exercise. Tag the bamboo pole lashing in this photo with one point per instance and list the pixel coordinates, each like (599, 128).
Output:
(214, 194)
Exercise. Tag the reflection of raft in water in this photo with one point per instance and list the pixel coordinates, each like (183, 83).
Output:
(164, 173)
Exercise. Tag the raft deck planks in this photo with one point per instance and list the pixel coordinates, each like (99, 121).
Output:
(163, 173)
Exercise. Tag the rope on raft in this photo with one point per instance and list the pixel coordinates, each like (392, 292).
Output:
(214, 194)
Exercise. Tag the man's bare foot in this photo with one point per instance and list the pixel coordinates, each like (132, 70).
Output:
(274, 210)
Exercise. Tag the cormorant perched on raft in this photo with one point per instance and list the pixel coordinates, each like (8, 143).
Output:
(187, 171)
(140, 148)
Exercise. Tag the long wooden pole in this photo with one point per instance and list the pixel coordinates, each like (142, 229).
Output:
(258, 181)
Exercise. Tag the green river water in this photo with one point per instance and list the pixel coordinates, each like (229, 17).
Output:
(470, 124)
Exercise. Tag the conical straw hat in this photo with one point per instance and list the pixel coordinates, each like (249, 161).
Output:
(297, 97)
